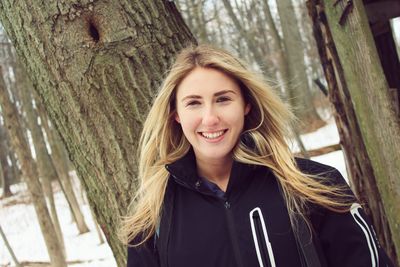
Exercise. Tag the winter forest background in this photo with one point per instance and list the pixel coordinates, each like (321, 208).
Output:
(76, 79)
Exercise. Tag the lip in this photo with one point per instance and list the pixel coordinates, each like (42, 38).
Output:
(215, 140)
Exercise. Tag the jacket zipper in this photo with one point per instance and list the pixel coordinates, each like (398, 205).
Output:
(262, 244)
(232, 233)
(230, 222)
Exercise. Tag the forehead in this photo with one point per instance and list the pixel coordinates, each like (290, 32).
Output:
(206, 81)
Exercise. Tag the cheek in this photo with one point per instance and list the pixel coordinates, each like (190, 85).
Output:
(236, 120)
(189, 123)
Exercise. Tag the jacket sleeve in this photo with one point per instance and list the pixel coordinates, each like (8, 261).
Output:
(348, 239)
(145, 255)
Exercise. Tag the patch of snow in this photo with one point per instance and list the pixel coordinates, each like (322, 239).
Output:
(22, 230)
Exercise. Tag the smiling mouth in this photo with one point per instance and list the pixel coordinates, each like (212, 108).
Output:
(213, 135)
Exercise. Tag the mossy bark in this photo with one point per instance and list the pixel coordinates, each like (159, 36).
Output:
(96, 65)
(368, 125)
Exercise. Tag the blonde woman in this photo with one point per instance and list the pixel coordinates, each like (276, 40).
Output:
(219, 185)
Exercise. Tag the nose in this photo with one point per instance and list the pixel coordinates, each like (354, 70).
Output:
(210, 117)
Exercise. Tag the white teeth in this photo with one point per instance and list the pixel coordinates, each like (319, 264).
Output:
(212, 135)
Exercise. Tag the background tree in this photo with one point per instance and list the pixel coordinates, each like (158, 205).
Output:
(9, 248)
(60, 161)
(6, 174)
(44, 163)
(21, 146)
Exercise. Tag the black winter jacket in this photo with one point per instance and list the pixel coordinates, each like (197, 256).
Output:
(249, 226)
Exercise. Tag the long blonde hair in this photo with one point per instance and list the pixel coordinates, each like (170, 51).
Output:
(267, 124)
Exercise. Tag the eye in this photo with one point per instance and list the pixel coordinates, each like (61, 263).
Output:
(192, 103)
(223, 99)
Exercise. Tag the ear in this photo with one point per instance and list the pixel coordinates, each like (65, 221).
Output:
(247, 108)
(177, 119)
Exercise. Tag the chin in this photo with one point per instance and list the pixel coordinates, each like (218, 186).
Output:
(216, 156)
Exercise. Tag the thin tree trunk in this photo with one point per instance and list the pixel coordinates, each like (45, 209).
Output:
(98, 230)
(16, 172)
(5, 170)
(21, 146)
(2, 182)
(198, 17)
(10, 250)
(220, 34)
(368, 126)
(61, 165)
(299, 92)
(282, 64)
(258, 57)
(44, 162)
(310, 46)
(96, 66)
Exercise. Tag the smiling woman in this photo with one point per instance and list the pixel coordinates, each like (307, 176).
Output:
(219, 185)
(210, 108)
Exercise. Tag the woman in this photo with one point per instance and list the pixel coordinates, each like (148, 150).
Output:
(219, 185)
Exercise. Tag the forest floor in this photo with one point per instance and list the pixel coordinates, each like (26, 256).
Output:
(19, 222)
(18, 219)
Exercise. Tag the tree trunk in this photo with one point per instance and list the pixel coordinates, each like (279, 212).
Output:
(30, 173)
(2, 181)
(46, 169)
(368, 127)
(277, 50)
(61, 165)
(6, 171)
(98, 230)
(16, 172)
(10, 250)
(198, 16)
(265, 66)
(299, 91)
(97, 65)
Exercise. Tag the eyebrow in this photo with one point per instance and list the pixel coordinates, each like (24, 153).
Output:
(216, 94)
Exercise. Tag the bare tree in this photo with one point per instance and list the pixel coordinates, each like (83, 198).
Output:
(10, 115)
(6, 173)
(10, 250)
(299, 91)
(60, 160)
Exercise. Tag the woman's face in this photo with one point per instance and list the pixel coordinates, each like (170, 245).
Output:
(211, 111)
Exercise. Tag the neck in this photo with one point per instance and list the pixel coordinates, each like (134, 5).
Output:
(217, 171)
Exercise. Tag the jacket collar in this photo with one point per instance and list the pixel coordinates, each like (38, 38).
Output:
(184, 172)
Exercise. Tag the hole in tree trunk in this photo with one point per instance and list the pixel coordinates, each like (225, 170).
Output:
(93, 31)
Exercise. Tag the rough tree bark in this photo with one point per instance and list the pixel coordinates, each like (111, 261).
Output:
(20, 145)
(368, 126)
(96, 65)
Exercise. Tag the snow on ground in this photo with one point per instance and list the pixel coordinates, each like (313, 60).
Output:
(326, 136)
(20, 225)
(22, 230)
